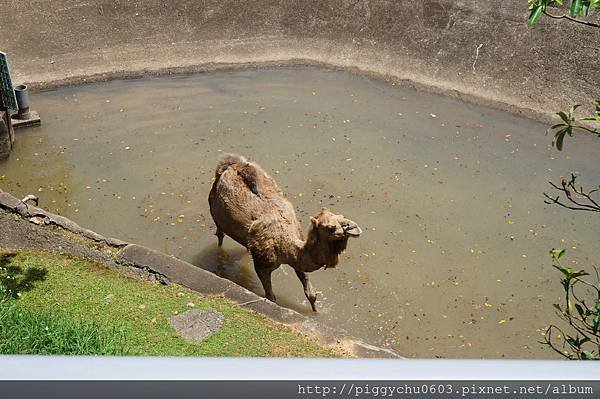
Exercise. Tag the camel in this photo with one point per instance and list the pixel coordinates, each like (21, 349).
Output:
(247, 205)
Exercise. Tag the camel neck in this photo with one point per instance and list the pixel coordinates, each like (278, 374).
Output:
(310, 255)
(302, 257)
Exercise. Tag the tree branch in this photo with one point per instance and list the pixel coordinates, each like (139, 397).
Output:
(548, 340)
(566, 188)
(587, 23)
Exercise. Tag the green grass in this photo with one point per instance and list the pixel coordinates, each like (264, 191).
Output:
(84, 299)
(23, 332)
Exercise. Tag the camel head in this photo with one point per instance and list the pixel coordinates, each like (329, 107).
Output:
(328, 236)
(332, 227)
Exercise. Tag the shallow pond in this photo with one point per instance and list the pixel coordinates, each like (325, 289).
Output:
(454, 257)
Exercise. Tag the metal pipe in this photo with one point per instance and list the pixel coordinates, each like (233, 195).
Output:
(22, 96)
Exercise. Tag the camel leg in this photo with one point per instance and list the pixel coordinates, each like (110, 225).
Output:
(220, 235)
(309, 291)
(264, 274)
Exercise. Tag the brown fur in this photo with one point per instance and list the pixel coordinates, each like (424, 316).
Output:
(245, 170)
(248, 206)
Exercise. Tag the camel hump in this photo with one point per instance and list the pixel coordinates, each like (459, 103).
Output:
(227, 160)
(246, 170)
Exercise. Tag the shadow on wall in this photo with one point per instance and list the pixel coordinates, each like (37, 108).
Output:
(232, 263)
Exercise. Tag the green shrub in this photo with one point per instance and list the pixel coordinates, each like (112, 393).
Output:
(580, 310)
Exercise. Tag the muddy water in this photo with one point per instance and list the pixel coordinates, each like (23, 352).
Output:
(454, 258)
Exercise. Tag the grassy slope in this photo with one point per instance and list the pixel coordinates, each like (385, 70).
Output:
(87, 292)
(23, 331)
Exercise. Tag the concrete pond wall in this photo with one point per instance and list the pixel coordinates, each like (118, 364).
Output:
(479, 50)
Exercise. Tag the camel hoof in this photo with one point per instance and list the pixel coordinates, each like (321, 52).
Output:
(272, 299)
(220, 237)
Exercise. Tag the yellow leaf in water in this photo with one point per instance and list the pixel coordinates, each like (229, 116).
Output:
(502, 321)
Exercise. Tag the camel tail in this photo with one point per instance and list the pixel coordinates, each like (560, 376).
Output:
(245, 170)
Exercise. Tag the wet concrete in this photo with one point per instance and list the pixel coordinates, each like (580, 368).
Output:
(454, 259)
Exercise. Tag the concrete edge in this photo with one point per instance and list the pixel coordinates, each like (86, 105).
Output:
(15, 205)
(470, 98)
(204, 282)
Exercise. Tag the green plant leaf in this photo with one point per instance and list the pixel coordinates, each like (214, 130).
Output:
(564, 117)
(585, 9)
(557, 307)
(560, 137)
(579, 273)
(572, 341)
(557, 125)
(575, 7)
(561, 269)
(534, 15)
(551, 128)
(569, 305)
(557, 253)
(583, 340)
(586, 355)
